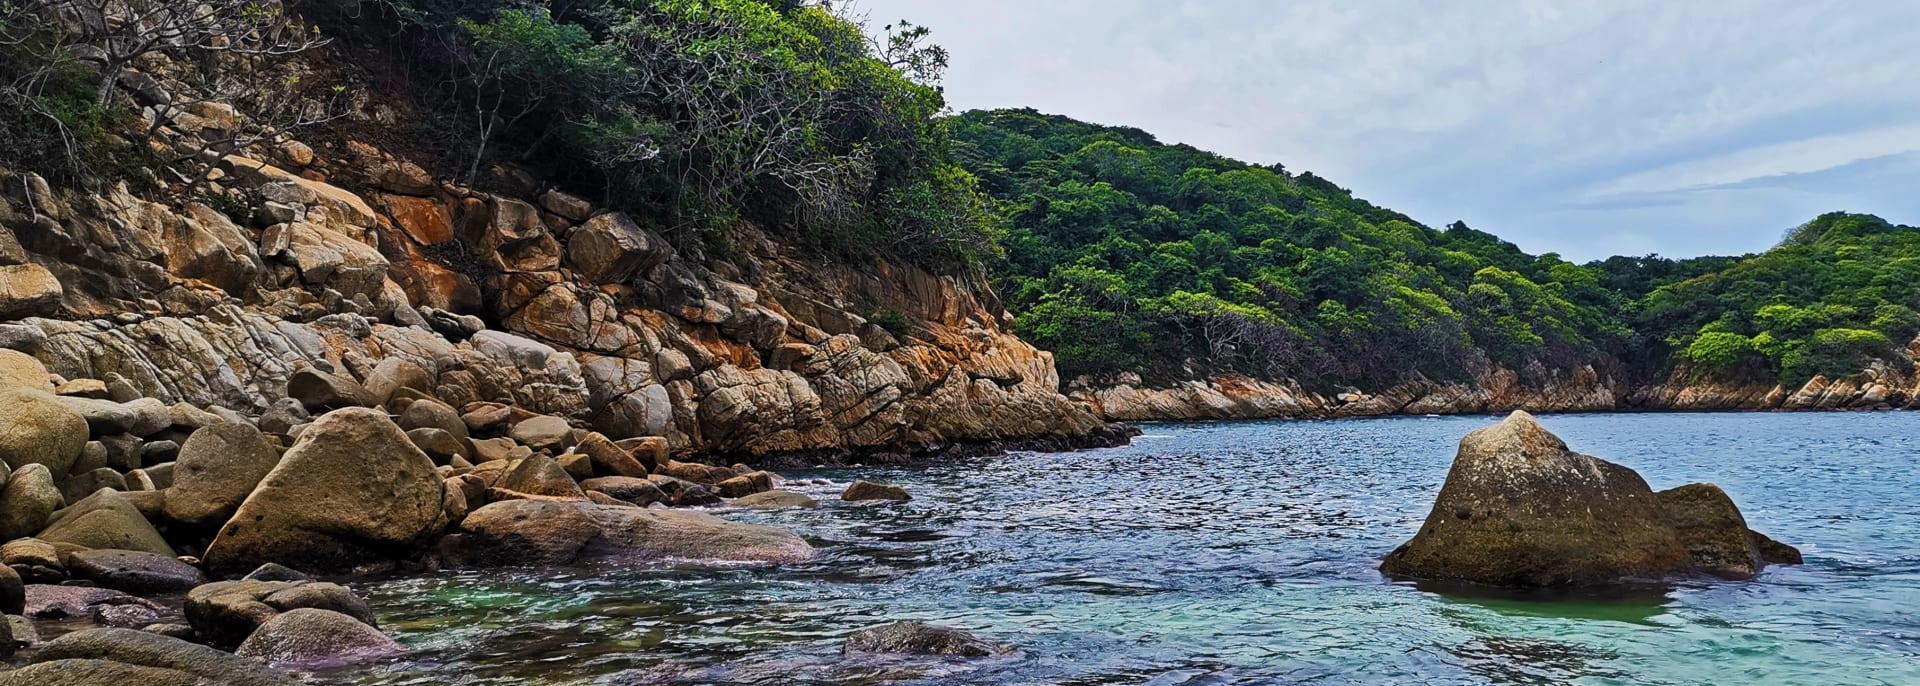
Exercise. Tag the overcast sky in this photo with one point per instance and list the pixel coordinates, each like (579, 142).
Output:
(1584, 128)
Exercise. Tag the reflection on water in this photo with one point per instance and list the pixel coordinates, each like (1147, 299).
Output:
(1226, 554)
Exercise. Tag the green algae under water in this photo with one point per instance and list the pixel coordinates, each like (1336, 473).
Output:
(1230, 553)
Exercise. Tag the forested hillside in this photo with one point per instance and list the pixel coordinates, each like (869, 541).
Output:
(1126, 254)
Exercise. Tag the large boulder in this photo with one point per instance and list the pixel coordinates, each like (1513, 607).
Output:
(626, 489)
(217, 469)
(28, 290)
(36, 428)
(225, 613)
(28, 502)
(540, 475)
(1520, 509)
(310, 638)
(134, 571)
(540, 532)
(352, 490)
(915, 638)
(20, 370)
(127, 656)
(1715, 534)
(105, 520)
(611, 248)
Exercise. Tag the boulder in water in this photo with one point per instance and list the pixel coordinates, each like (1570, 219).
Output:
(225, 613)
(309, 638)
(1520, 509)
(915, 638)
(541, 532)
(867, 490)
(1716, 535)
(773, 500)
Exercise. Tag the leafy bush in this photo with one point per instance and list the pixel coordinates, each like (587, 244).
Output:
(696, 113)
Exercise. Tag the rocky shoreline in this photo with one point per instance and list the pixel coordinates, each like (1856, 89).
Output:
(1885, 385)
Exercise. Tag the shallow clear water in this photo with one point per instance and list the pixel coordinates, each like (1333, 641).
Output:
(1232, 553)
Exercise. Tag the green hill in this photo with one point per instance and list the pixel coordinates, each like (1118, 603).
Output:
(1127, 254)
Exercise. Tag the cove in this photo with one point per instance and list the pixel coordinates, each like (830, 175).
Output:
(1224, 553)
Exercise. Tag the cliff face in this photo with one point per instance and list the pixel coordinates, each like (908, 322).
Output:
(529, 295)
(1887, 384)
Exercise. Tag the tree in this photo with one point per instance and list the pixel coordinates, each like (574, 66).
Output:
(115, 33)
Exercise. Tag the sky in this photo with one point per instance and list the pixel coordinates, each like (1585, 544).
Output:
(1584, 128)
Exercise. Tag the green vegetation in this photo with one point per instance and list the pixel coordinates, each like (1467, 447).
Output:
(1837, 292)
(1126, 254)
(1112, 249)
(695, 113)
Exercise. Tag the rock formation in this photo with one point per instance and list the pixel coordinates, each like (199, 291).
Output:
(1521, 509)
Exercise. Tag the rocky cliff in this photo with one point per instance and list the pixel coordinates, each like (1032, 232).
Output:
(345, 255)
(1886, 384)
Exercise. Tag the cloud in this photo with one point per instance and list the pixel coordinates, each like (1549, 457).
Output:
(1540, 120)
(1805, 156)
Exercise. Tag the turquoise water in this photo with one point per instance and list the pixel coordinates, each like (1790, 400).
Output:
(1232, 553)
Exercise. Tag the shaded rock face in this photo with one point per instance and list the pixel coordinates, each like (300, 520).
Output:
(915, 638)
(126, 656)
(134, 571)
(352, 490)
(1521, 509)
(1716, 535)
(536, 532)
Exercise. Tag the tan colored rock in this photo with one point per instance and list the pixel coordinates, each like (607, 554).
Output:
(541, 476)
(774, 500)
(20, 370)
(28, 290)
(531, 532)
(311, 638)
(610, 248)
(867, 490)
(610, 459)
(37, 428)
(218, 467)
(225, 613)
(1521, 509)
(105, 520)
(351, 490)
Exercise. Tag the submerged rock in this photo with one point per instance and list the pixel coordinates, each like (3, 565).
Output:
(773, 500)
(127, 656)
(1520, 509)
(225, 613)
(915, 638)
(309, 638)
(539, 532)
